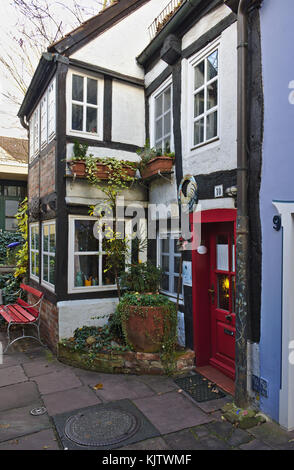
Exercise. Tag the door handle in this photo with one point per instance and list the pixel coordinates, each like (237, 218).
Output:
(229, 317)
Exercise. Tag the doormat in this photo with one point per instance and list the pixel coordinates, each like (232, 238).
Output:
(200, 388)
(104, 426)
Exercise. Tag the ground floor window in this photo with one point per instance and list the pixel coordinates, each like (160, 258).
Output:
(87, 260)
(34, 251)
(11, 194)
(169, 259)
(48, 254)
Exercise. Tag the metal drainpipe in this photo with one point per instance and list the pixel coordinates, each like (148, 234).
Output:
(241, 395)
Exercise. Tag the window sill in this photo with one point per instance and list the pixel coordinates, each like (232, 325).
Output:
(172, 297)
(203, 144)
(85, 290)
(85, 135)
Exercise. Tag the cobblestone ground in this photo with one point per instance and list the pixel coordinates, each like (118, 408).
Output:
(30, 376)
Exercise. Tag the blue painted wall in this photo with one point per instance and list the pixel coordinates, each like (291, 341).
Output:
(277, 180)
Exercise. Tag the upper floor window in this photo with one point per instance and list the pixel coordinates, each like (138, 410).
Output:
(205, 98)
(84, 104)
(42, 123)
(161, 118)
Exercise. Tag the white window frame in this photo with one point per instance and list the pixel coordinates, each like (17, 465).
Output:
(51, 110)
(100, 97)
(44, 120)
(36, 126)
(33, 250)
(160, 90)
(71, 254)
(164, 235)
(193, 62)
(45, 283)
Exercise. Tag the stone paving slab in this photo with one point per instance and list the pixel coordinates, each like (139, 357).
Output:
(255, 445)
(18, 395)
(116, 387)
(69, 400)
(274, 436)
(39, 367)
(12, 375)
(42, 440)
(12, 360)
(159, 384)
(171, 412)
(56, 382)
(19, 422)
(157, 443)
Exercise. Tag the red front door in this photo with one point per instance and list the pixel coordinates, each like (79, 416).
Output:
(222, 297)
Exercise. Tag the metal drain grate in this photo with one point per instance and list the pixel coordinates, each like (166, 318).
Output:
(103, 427)
(200, 388)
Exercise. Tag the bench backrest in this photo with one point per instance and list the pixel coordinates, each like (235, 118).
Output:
(35, 311)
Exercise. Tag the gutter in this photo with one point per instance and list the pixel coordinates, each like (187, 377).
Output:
(183, 12)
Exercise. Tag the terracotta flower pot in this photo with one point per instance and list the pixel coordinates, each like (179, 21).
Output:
(103, 171)
(145, 327)
(162, 164)
(78, 168)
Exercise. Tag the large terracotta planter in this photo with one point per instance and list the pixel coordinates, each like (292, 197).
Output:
(145, 327)
(103, 171)
(162, 164)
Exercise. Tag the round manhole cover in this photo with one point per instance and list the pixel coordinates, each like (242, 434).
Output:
(101, 427)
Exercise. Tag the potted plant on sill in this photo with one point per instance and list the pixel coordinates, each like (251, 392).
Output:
(148, 319)
(155, 160)
(78, 162)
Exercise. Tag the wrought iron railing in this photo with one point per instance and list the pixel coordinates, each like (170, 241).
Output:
(164, 17)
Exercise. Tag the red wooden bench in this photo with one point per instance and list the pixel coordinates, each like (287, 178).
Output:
(23, 314)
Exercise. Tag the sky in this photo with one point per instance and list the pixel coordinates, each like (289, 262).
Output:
(10, 20)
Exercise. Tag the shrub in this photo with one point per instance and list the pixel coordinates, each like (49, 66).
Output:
(5, 239)
(141, 277)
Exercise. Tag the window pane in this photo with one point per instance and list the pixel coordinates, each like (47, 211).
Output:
(158, 129)
(211, 126)
(11, 208)
(177, 264)
(11, 224)
(46, 238)
(199, 103)
(35, 238)
(165, 245)
(77, 117)
(52, 238)
(86, 270)
(108, 278)
(223, 292)
(91, 91)
(198, 131)
(167, 100)
(158, 106)
(11, 191)
(212, 65)
(212, 95)
(176, 284)
(165, 282)
(165, 263)
(52, 270)
(84, 237)
(45, 268)
(91, 125)
(199, 75)
(167, 124)
(222, 253)
(78, 88)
